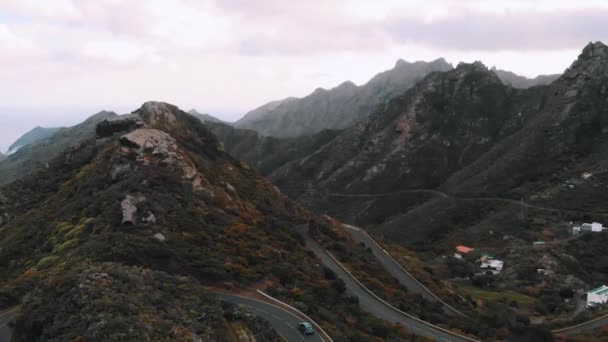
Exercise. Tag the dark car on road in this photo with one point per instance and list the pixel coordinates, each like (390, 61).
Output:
(306, 328)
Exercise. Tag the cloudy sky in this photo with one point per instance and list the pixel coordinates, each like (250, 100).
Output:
(63, 60)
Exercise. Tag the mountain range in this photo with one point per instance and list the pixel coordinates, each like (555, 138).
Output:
(343, 106)
(462, 132)
(425, 157)
(336, 108)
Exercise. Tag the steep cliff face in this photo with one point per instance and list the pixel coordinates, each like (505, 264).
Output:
(565, 133)
(339, 107)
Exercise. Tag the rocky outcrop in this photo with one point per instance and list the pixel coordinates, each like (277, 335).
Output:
(154, 143)
(121, 124)
(129, 209)
(160, 237)
(150, 218)
(158, 114)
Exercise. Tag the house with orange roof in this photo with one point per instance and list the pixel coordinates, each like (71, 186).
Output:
(464, 249)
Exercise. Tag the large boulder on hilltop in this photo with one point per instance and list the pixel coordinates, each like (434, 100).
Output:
(122, 124)
(158, 114)
(153, 142)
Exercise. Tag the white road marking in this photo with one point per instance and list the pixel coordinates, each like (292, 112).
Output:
(351, 227)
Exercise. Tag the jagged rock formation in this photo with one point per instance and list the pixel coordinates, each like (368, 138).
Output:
(339, 107)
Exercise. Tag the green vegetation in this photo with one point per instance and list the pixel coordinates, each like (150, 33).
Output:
(230, 228)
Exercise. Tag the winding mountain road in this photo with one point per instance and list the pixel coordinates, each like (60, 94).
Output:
(5, 331)
(284, 322)
(446, 195)
(373, 304)
(396, 270)
(583, 328)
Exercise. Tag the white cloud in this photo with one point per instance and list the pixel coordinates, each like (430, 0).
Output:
(10, 42)
(120, 51)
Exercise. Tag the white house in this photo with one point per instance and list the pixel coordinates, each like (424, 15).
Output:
(493, 265)
(590, 227)
(596, 227)
(597, 296)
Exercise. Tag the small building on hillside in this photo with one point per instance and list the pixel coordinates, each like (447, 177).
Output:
(464, 249)
(597, 296)
(492, 265)
(592, 227)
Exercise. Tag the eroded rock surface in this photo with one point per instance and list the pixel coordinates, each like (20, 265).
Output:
(150, 142)
(129, 209)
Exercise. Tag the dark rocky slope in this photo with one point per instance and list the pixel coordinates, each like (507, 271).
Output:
(417, 140)
(266, 153)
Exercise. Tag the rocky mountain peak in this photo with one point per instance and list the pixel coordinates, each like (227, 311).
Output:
(158, 113)
(441, 64)
(400, 62)
(483, 75)
(592, 62)
(476, 66)
(593, 50)
(347, 84)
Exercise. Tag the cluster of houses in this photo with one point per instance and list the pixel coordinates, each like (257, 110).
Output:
(594, 227)
(488, 263)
